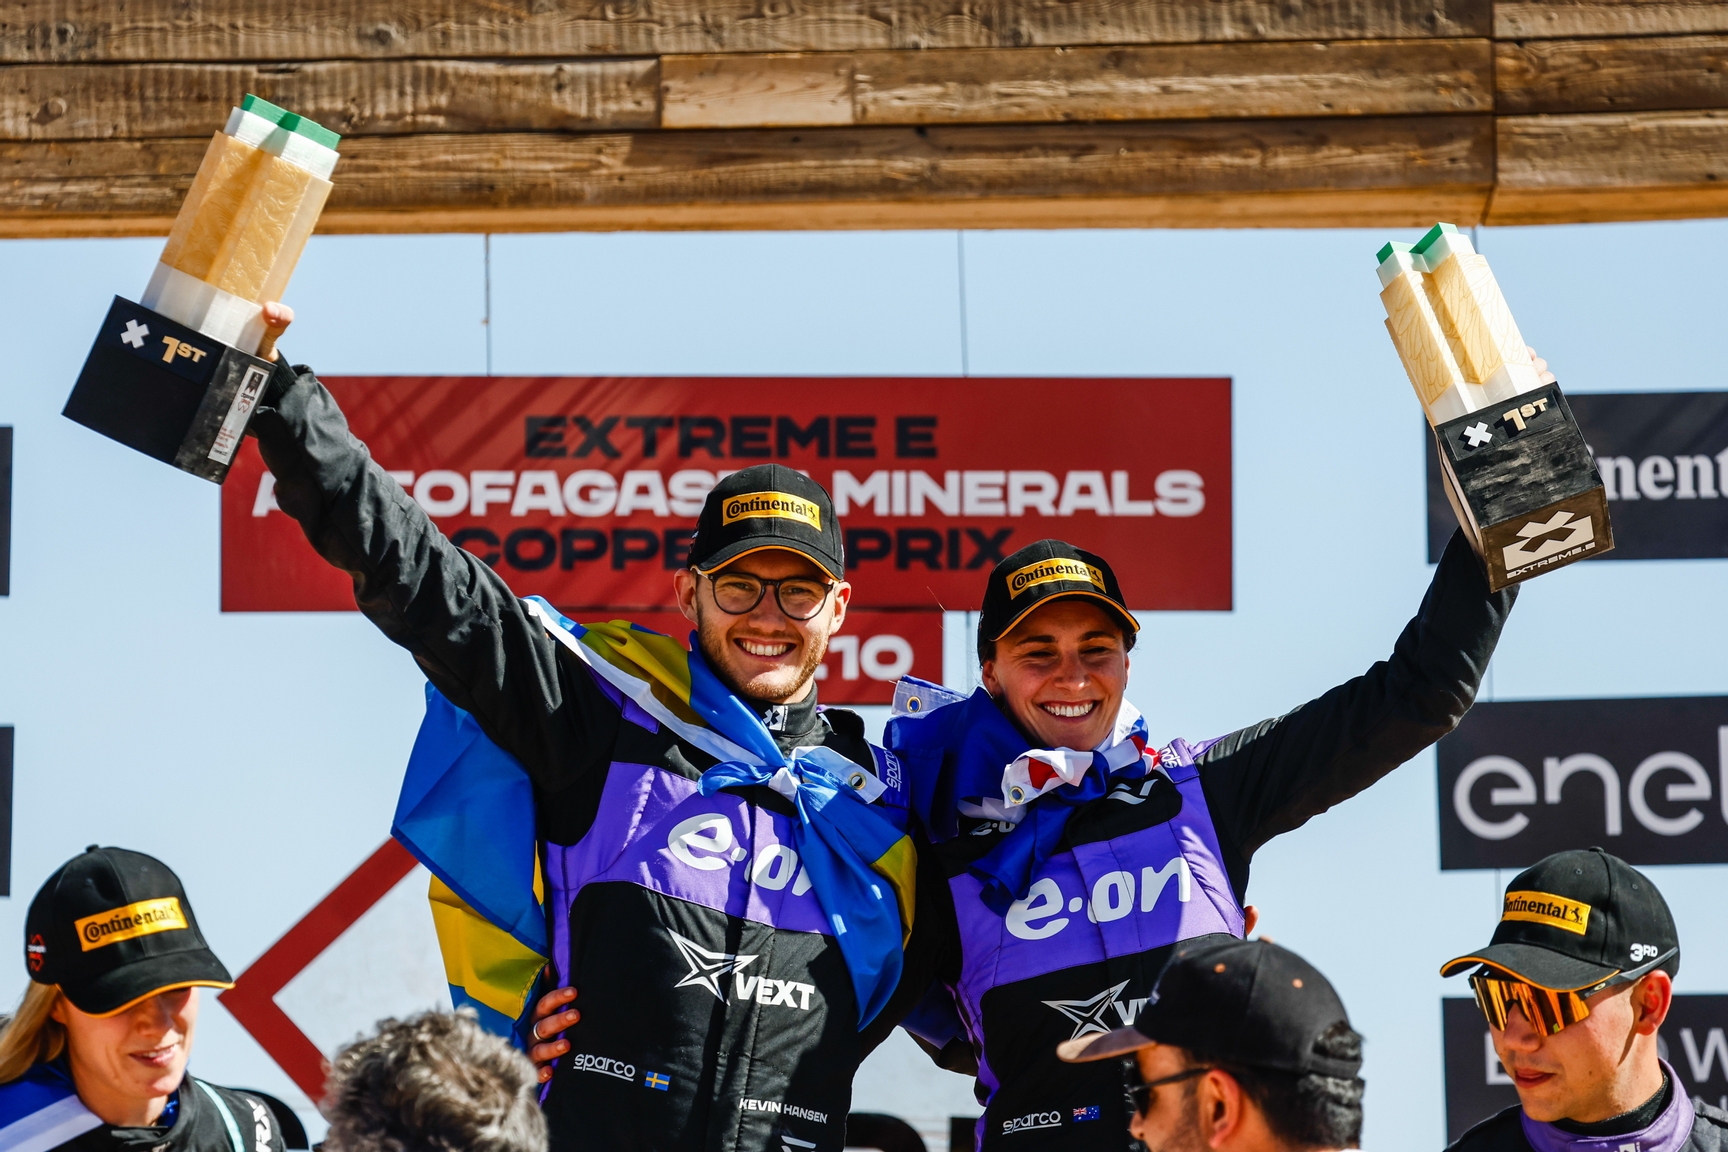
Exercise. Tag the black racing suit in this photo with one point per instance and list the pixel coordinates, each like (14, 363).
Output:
(668, 1054)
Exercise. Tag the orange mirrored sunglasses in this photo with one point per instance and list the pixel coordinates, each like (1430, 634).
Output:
(1547, 1010)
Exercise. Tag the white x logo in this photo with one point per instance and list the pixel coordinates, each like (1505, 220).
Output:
(1478, 434)
(135, 333)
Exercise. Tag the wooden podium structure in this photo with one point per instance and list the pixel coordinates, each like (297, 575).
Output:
(531, 115)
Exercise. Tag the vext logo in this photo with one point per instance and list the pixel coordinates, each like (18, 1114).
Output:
(708, 969)
(1091, 1015)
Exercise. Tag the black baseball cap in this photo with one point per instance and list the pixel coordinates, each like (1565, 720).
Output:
(768, 506)
(1242, 1001)
(1043, 571)
(1576, 919)
(113, 927)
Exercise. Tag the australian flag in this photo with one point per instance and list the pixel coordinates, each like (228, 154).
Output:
(1088, 1113)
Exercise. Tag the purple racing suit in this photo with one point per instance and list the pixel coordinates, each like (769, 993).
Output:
(1162, 856)
(1680, 1124)
(718, 1014)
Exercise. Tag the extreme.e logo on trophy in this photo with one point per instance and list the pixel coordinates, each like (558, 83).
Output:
(178, 376)
(1517, 472)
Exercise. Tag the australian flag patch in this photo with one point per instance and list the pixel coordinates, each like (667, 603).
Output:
(1090, 1112)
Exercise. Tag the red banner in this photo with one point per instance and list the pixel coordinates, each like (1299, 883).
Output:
(586, 490)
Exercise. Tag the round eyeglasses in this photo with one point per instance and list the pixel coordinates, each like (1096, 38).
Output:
(799, 597)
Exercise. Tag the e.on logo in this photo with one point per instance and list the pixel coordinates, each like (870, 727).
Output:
(1040, 915)
(1685, 782)
(707, 843)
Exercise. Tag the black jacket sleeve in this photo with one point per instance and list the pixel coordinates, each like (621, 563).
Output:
(467, 630)
(1271, 778)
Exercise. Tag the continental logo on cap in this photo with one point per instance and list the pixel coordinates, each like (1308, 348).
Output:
(1045, 571)
(144, 918)
(1545, 908)
(780, 505)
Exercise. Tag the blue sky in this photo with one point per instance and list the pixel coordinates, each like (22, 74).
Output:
(260, 755)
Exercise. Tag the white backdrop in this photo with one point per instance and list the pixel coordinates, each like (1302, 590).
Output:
(259, 755)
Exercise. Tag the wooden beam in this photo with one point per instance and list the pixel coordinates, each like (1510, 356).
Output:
(1542, 19)
(1029, 85)
(383, 97)
(1623, 74)
(1584, 169)
(99, 31)
(1396, 171)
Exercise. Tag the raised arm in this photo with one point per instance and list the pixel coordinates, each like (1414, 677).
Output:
(1270, 778)
(467, 630)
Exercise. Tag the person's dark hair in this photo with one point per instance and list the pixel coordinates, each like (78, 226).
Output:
(433, 1083)
(1306, 1111)
(987, 647)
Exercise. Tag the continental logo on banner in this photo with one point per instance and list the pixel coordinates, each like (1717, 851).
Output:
(1544, 908)
(781, 505)
(1045, 571)
(141, 919)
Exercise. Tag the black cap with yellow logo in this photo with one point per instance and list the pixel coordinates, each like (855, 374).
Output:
(1043, 571)
(1576, 919)
(768, 506)
(113, 927)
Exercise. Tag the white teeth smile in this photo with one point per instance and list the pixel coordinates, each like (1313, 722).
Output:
(1069, 711)
(757, 648)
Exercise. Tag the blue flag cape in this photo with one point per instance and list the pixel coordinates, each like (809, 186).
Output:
(463, 794)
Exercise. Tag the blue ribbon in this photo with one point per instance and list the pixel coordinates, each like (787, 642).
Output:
(837, 837)
(966, 746)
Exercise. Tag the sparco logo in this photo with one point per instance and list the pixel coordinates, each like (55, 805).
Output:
(605, 1065)
(1046, 571)
(144, 918)
(1038, 917)
(779, 505)
(1031, 1122)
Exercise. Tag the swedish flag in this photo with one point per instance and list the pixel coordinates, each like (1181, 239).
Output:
(462, 794)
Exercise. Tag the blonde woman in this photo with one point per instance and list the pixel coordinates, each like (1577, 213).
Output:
(94, 1060)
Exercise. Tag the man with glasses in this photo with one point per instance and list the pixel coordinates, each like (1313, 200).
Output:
(1575, 984)
(680, 802)
(1243, 1047)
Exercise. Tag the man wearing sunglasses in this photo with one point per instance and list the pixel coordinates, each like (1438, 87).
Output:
(1574, 985)
(1243, 1047)
(720, 1009)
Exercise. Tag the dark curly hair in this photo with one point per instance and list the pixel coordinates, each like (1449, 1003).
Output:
(433, 1083)
(1308, 1111)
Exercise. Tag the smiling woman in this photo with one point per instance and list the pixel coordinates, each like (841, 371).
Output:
(1053, 644)
(95, 1057)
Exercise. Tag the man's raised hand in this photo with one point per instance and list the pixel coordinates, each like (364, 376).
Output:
(277, 317)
